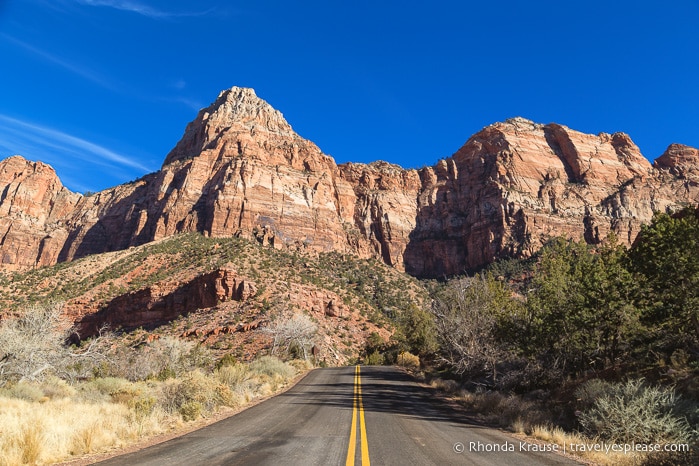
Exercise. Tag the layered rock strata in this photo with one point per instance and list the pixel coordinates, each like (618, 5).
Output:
(240, 169)
(161, 303)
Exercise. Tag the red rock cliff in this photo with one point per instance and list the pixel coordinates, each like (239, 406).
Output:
(240, 169)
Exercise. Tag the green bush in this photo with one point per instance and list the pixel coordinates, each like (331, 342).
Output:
(634, 412)
(374, 359)
(142, 406)
(226, 360)
(191, 410)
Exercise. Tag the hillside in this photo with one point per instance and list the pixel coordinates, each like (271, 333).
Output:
(219, 292)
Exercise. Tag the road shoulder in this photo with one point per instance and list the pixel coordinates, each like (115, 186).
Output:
(193, 426)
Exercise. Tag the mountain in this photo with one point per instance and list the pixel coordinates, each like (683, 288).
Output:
(241, 170)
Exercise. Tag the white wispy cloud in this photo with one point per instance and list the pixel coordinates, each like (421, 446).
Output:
(110, 84)
(143, 9)
(193, 104)
(47, 144)
(80, 70)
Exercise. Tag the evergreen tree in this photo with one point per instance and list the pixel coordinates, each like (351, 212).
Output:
(580, 308)
(666, 254)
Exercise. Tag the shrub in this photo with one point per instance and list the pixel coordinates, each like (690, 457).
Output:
(272, 366)
(297, 331)
(589, 392)
(374, 359)
(233, 375)
(301, 365)
(408, 360)
(634, 412)
(226, 360)
(161, 359)
(32, 345)
(191, 410)
(53, 388)
(142, 405)
(23, 391)
(107, 388)
(445, 385)
(195, 393)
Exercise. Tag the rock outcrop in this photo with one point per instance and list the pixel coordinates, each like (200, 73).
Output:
(240, 169)
(514, 185)
(161, 303)
(33, 208)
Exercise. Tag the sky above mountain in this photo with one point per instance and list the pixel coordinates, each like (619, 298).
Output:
(103, 89)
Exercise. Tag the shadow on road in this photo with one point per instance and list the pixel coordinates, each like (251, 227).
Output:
(384, 389)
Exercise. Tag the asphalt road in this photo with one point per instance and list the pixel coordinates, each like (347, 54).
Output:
(345, 416)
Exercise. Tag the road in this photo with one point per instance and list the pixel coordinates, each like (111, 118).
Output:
(345, 416)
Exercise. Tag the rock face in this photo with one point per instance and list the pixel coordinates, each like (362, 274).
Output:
(240, 169)
(158, 304)
(34, 206)
(516, 184)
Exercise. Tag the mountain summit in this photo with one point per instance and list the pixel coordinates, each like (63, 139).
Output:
(235, 111)
(240, 169)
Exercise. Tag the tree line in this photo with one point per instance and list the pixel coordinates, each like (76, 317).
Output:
(572, 311)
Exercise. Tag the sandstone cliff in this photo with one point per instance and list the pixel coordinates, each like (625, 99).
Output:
(34, 206)
(240, 169)
(516, 184)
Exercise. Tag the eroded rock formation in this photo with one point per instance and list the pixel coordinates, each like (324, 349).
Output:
(240, 169)
(161, 303)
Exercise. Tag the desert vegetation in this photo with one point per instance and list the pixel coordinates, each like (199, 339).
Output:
(597, 343)
(578, 343)
(126, 384)
(59, 401)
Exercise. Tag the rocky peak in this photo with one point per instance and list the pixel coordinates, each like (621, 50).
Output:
(241, 170)
(236, 110)
(29, 188)
(520, 123)
(240, 105)
(680, 160)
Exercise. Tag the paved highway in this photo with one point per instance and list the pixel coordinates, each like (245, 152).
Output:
(351, 416)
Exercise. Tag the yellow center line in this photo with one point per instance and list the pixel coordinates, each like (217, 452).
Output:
(362, 426)
(353, 432)
(357, 401)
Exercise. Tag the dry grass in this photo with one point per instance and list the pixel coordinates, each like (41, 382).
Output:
(558, 436)
(531, 420)
(408, 360)
(47, 432)
(41, 424)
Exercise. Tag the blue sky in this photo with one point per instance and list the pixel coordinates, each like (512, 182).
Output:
(103, 89)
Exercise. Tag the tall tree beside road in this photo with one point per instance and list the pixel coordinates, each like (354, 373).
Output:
(468, 316)
(666, 254)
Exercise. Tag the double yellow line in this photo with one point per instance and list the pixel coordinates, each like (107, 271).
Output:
(357, 402)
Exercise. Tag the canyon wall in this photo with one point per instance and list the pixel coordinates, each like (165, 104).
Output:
(240, 169)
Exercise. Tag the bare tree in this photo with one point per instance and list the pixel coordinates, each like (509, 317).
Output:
(297, 330)
(465, 319)
(33, 344)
